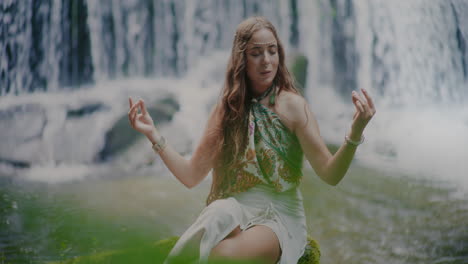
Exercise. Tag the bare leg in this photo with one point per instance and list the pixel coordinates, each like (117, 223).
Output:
(256, 243)
(234, 232)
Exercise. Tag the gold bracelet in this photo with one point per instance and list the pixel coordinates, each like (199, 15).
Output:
(160, 145)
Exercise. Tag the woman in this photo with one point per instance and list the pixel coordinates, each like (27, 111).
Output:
(254, 141)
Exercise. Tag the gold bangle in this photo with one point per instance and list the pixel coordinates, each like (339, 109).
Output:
(160, 145)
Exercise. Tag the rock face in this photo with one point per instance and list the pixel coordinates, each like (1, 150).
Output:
(69, 132)
(29, 119)
(21, 126)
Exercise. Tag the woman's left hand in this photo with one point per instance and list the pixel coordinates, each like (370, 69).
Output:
(365, 110)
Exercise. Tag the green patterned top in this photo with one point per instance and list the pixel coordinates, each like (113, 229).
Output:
(273, 155)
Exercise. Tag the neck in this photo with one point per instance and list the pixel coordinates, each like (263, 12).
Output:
(265, 93)
(259, 91)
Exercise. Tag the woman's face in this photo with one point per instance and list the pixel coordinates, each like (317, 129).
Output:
(262, 60)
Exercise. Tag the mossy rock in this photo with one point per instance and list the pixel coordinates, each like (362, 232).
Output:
(311, 253)
(157, 252)
(151, 253)
(298, 67)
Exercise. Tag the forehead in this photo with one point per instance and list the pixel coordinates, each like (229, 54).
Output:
(261, 38)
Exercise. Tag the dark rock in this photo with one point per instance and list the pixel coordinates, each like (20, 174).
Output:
(86, 110)
(122, 135)
(16, 163)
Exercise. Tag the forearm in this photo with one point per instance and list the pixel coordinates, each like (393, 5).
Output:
(339, 163)
(180, 167)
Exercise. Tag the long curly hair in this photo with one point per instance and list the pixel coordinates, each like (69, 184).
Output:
(235, 102)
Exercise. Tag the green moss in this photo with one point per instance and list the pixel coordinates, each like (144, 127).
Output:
(157, 252)
(311, 254)
(153, 253)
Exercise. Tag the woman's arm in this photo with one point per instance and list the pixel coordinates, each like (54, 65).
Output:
(189, 172)
(330, 168)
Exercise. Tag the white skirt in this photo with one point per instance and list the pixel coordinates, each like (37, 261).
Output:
(261, 205)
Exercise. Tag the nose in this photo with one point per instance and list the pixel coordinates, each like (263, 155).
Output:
(266, 58)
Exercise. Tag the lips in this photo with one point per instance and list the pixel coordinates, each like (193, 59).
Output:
(264, 73)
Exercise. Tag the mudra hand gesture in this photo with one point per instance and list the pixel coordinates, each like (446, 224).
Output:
(141, 122)
(365, 110)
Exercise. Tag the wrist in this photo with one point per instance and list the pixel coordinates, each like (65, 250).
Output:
(354, 142)
(355, 134)
(154, 136)
(160, 145)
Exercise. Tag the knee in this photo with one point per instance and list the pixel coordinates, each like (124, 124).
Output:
(222, 205)
(220, 209)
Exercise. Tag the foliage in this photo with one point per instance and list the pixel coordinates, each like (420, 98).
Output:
(157, 252)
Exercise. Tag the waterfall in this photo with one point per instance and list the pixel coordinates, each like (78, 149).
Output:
(56, 44)
(59, 58)
(411, 56)
(44, 46)
(69, 67)
(407, 51)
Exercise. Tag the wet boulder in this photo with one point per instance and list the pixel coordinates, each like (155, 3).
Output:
(122, 135)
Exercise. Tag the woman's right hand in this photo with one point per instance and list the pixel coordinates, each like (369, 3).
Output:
(141, 122)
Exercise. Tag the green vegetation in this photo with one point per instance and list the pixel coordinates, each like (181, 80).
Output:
(299, 71)
(157, 252)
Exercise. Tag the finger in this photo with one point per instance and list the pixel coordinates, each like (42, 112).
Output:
(143, 108)
(131, 110)
(134, 117)
(130, 118)
(129, 113)
(359, 106)
(368, 98)
(357, 97)
(135, 106)
(133, 113)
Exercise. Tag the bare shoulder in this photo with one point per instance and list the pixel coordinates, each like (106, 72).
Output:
(291, 99)
(293, 107)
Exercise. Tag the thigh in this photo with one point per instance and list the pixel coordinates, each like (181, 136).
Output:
(234, 232)
(257, 242)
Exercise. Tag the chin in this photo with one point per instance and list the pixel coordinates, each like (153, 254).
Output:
(268, 81)
(264, 82)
